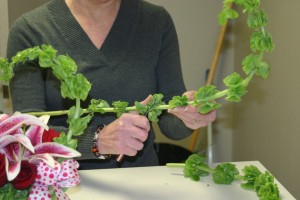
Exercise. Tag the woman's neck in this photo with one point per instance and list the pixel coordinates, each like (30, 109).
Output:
(94, 9)
(96, 17)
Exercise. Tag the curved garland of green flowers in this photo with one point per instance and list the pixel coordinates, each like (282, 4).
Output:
(76, 87)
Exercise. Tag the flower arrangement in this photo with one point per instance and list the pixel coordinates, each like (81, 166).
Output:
(32, 166)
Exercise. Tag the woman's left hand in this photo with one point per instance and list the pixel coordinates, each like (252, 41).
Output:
(190, 115)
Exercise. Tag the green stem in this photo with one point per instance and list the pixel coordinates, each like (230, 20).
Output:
(206, 169)
(182, 165)
(76, 116)
(77, 109)
(239, 177)
(128, 109)
(215, 96)
(248, 79)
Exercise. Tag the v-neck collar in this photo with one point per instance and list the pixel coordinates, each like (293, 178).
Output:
(78, 40)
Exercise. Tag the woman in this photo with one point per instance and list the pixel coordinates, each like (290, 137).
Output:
(127, 49)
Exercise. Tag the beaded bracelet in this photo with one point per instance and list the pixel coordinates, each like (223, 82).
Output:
(95, 148)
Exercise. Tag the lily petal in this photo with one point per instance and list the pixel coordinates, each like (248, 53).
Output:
(12, 169)
(35, 133)
(56, 150)
(3, 117)
(47, 158)
(20, 138)
(12, 151)
(18, 120)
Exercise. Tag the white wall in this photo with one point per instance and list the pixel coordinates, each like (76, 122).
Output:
(267, 120)
(5, 104)
(4, 27)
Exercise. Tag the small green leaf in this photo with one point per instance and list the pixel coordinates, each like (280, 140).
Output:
(263, 70)
(153, 115)
(119, 107)
(64, 67)
(269, 191)
(6, 70)
(153, 111)
(208, 106)
(250, 174)
(192, 164)
(98, 105)
(7, 191)
(46, 56)
(142, 109)
(63, 139)
(178, 101)
(52, 192)
(236, 87)
(205, 93)
(227, 13)
(262, 179)
(250, 63)
(75, 87)
(77, 123)
(261, 41)
(235, 93)
(257, 19)
(80, 124)
(224, 173)
(233, 79)
(248, 5)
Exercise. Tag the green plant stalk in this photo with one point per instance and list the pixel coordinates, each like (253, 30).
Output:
(129, 108)
(76, 116)
(206, 169)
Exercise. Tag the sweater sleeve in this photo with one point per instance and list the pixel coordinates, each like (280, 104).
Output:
(170, 80)
(28, 84)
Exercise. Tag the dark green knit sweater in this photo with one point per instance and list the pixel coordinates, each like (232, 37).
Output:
(140, 56)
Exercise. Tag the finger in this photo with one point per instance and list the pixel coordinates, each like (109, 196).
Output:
(193, 122)
(137, 126)
(147, 100)
(185, 118)
(144, 102)
(130, 147)
(197, 124)
(188, 108)
(139, 134)
(190, 94)
(186, 114)
(141, 122)
(129, 151)
(135, 144)
(191, 108)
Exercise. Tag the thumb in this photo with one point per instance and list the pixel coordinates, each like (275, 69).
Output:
(147, 100)
(144, 102)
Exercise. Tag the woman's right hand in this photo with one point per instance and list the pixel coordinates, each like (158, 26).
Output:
(126, 135)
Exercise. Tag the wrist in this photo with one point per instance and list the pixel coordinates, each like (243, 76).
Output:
(95, 147)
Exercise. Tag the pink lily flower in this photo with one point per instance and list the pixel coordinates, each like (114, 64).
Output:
(21, 139)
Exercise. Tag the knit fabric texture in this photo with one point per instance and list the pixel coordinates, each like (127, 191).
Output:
(140, 56)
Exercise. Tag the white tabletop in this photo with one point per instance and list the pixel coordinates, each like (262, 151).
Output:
(150, 183)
